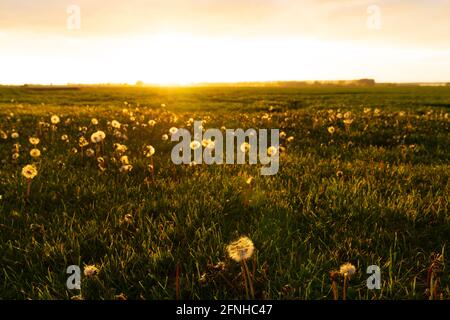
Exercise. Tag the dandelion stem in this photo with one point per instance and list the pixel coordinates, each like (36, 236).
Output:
(344, 290)
(245, 280)
(28, 188)
(250, 282)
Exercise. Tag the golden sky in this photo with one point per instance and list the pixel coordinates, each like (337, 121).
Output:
(184, 41)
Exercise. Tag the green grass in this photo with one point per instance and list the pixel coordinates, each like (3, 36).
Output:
(388, 205)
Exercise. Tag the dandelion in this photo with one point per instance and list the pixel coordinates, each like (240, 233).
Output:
(348, 122)
(151, 123)
(35, 153)
(331, 129)
(271, 151)
(377, 111)
(245, 147)
(29, 172)
(282, 135)
(249, 181)
(347, 115)
(164, 137)
(347, 270)
(173, 130)
(90, 152)
(367, 110)
(34, 141)
(124, 160)
(240, 251)
(65, 138)
(90, 271)
(15, 156)
(94, 121)
(126, 168)
(149, 151)
(14, 135)
(55, 119)
(115, 124)
(82, 142)
(3, 135)
(339, 174)
(128, 218)
(194, 145)
(98, 136)
(101, 163)
(120, 148)
(290, 139)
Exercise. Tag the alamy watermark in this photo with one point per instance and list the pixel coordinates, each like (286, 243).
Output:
(74, 17)
(208, 147)
(374, 17)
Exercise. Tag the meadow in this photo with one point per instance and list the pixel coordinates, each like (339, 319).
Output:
(363, 179)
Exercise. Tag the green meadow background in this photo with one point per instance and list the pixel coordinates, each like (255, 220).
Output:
(375, 192)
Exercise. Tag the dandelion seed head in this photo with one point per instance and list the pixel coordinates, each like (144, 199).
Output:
(29, 171)
(347, 269)
(241, 249)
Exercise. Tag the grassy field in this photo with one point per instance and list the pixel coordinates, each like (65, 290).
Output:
(373, 192)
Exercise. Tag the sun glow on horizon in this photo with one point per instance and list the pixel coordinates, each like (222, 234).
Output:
(176, 58)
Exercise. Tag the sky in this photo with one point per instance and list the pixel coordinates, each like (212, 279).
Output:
(187, 41)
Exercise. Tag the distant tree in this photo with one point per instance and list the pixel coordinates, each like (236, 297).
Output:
(139, 83)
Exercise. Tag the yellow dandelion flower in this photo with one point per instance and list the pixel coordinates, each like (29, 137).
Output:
(173, 130)
(14, 135)
(151, 123)
(165, 137)
(94, 121)
(290, 139)
(331, 129)
(65, 137)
